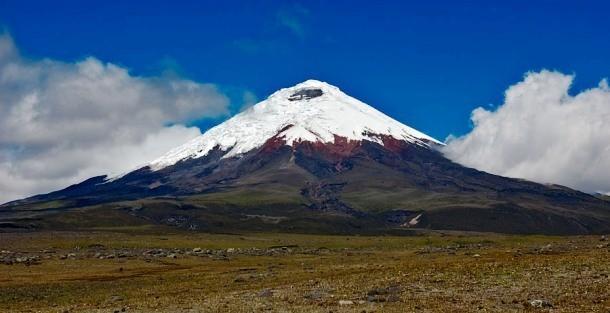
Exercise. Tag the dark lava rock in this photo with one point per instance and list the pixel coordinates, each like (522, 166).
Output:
(306, 94)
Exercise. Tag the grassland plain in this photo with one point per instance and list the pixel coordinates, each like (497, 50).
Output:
(162, 270)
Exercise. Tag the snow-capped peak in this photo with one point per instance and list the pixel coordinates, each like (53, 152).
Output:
(309, 111)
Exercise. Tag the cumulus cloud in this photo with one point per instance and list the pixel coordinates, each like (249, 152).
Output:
(542, 133)
(248, 99)
(64, 122)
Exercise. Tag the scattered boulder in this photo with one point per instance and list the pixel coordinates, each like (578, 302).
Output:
(26, 260)
(116, 298)
(265, 293)
(387, 294)
(541, 304)
(546, 249)
(317, 294)
(243, 278)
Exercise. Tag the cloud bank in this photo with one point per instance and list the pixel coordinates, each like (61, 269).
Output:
(542, 133)
(63, 122)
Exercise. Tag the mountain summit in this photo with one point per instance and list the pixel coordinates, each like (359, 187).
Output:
(311, 111)
(312, 159)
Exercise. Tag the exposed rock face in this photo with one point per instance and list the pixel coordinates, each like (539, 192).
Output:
(306, 94)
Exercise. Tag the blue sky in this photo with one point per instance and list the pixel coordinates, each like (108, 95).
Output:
(426, 64)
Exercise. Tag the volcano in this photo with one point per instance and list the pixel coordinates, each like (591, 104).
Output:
(312, 159)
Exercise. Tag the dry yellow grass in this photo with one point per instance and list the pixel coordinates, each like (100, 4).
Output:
(432, 273)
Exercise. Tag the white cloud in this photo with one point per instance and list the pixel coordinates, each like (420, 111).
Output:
(63, 122)
(248, 99)
(542, 133)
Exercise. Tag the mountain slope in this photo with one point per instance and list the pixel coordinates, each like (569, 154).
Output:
(312, 159)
